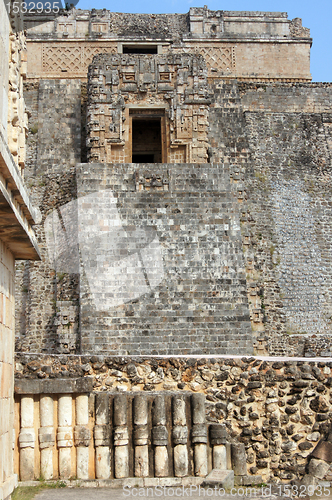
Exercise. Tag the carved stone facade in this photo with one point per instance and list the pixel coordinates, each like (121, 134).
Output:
(243, 45)
(15, 124)
(174, 88)
(70, 58)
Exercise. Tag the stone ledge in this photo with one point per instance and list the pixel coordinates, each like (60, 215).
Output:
(32, 213)
(131, 482)
(16, 212)
(56, 386)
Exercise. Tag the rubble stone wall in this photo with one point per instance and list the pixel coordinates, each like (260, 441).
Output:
(41, 289)
(288, 197)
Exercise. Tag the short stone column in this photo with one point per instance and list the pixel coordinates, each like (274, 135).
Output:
(180, 436)
(218, 438)
(82, 436)
(102, 434)
(141, 436)
(199, 434)
(46, 436)
(121, 436)
(65, 435)
(160, 437)
(27, 439)
(239, 459)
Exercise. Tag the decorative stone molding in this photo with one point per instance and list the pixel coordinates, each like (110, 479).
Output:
(173, 83)
(71, 59)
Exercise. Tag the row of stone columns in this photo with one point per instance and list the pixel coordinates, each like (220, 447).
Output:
(65, 437)
(69, 434)
(159, 438)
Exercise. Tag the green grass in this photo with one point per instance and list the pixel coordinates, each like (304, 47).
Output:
(29, 492)
(61, 276)
(33, 129)
(260, 176)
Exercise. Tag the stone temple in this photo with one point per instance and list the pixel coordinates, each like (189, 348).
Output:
(201, 134)
(181, 164)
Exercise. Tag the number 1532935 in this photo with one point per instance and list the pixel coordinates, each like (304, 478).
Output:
(302, 491)
(33, 7)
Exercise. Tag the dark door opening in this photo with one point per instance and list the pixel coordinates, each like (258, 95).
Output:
(146, 140)
(140, 49)
(143, 158)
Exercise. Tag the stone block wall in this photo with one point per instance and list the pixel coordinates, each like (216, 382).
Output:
(198, 303)
(228, 140)
(7, 332)
(280, 163)
(286, 98)
(40, 289)
(190, 306)
(288, 217)
(54, 146)
(60, 126)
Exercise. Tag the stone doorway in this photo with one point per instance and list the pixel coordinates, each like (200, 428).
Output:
(148, 136)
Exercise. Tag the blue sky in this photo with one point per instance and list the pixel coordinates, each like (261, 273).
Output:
(316, 15)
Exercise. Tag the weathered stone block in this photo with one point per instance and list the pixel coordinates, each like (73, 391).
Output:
(220, 478)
